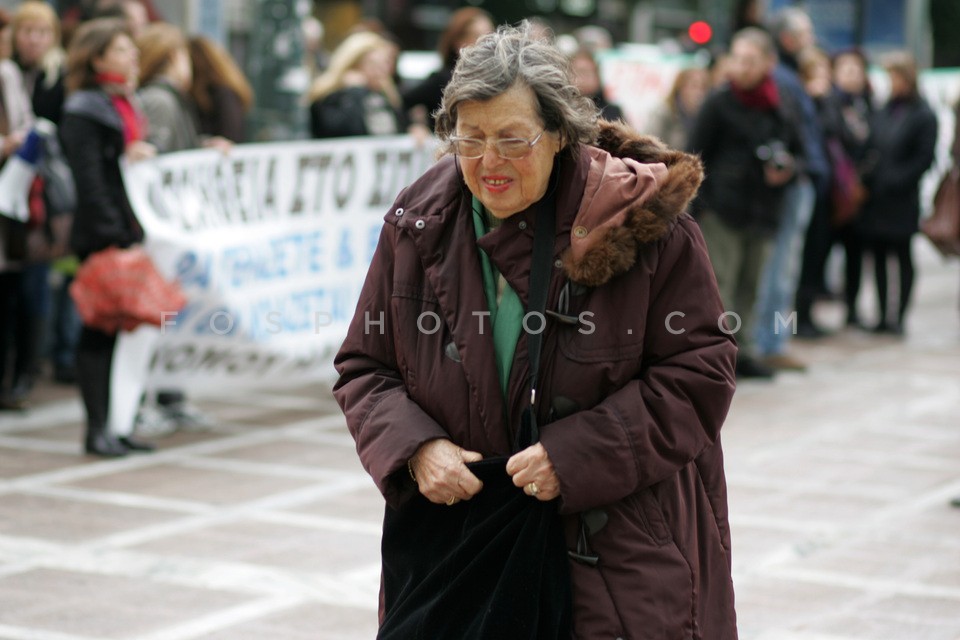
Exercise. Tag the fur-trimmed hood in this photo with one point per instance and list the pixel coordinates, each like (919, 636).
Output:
(635, 188)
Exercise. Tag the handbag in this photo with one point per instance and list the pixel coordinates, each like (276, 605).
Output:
(942, 228)
(121, 289)
(847, 192)
(494, 566)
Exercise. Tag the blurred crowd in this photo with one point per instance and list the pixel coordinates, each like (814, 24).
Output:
(808, 174)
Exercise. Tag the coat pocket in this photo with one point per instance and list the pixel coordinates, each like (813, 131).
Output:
(651, 516)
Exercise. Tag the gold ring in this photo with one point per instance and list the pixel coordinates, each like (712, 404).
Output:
(452, 501)
(534, 489)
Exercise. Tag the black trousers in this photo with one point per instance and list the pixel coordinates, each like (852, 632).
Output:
(821, 237)
(883, 250)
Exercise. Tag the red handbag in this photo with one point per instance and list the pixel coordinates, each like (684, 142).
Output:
(121, 289)
(943, 226)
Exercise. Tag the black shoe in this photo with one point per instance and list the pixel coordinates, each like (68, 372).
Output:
(889, 328)
(747, 367)
(105, 446)
(810, 331)
(132, 444)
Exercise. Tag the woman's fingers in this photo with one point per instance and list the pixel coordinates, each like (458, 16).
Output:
(532, 470)
(439, 467)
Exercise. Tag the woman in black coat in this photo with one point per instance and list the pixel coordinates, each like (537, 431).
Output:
(99, 125)
(903, 135)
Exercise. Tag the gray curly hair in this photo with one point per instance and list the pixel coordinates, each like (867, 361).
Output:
(513, 54)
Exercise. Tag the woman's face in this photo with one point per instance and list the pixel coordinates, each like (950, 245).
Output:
(377, 67)
(180, 70)
(121, 57)
(585, 75)
(506, 187)
(899, 87)
(849, 74)
(694, 89)
(480, 27)
(32, 41)
(748, 64)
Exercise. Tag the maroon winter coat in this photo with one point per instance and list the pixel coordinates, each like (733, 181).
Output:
(650, 370)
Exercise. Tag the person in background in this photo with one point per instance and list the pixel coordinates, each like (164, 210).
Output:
(903, 137)
(674, 118)
(854, 96)
(101, 124)
(39, 60)
(793, 31)
(464, 28)
(841, 92)
(586, 74)
(356, 95)
(16, 120)
(748, 140)
(634, 408)
(166, 74)
(220, 91)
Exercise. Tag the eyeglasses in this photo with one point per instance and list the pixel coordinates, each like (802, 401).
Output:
(507, 148)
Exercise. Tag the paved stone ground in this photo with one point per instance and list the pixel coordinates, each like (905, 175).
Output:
(266, 528)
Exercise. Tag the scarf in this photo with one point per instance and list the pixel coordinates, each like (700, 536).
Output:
(115, 86)
(764, 96)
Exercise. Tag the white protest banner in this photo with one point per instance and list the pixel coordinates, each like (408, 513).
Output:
(271, 244)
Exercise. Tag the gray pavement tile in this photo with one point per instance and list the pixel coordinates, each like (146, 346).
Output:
(103, 606)
(299, 452)
(294, 547)
(181, 482)
(69, 520)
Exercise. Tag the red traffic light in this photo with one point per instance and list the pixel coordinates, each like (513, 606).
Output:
(700, 32)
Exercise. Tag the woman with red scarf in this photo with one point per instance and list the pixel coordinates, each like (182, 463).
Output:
(100, 124)
(747, 136)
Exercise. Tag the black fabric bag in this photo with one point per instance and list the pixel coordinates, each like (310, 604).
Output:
(494, 566)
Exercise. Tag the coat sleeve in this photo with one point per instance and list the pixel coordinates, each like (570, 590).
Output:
(673, 410)
(387, 425)
(98, 213)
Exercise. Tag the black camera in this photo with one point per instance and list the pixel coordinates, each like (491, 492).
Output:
(775, 154)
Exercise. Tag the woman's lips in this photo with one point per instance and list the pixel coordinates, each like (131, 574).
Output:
(496, 184)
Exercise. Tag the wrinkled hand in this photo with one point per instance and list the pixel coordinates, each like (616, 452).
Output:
(139, 150)
(441, 473)
(532, 465)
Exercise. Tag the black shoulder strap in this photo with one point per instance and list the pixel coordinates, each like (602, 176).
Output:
(541, 262)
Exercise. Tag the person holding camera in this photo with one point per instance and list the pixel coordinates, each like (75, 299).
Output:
(748, 140)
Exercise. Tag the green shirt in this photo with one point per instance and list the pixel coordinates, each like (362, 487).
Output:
(506, 310)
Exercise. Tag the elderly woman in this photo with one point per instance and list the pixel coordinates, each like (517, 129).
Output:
(636, 372)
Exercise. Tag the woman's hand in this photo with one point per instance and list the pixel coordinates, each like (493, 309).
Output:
(441, 474)
(532, 470)
(139, 150)
(221, 144)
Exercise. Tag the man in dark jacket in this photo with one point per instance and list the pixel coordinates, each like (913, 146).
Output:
(746, 136)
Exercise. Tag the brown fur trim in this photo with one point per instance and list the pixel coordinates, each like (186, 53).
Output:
(615, 251)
